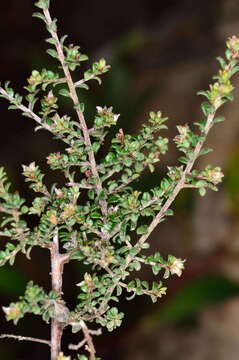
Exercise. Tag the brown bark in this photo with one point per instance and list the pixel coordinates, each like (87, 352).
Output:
(57, 264)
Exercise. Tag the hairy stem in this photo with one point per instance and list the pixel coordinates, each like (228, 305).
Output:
(74, 97)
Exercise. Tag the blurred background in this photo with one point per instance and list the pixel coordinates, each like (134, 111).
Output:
(161, 53)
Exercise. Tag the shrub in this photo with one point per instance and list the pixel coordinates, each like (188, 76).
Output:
(98, 218)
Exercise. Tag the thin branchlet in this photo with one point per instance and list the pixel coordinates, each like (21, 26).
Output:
(75, 99)
(24, 338)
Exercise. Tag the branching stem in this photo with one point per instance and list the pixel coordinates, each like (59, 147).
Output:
(87, 340)
(156, 220)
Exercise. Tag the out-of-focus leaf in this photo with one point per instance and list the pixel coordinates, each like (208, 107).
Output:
(12, 281)
(195, 296)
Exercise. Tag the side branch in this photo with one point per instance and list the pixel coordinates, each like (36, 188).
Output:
(31, 114)
(25, 110)
(178, 188)
(161, 213)
(25, 338)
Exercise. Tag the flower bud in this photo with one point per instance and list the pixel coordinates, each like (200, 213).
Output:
(50, 99)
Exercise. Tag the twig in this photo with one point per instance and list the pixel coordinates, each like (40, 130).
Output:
(60, 80)
(74, 97)
(82, 81)
(12, 212)
(25, 338)
(122, 186)
(26, 110)
(13, 253)
(80, 185)
(33, 115)
(77, 346)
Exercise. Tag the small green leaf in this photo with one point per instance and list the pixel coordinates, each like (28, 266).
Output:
(205, 151)
(42, 4)
(156, 268)
(39, 15)
(219, 119)
(51, 41)
(169, 212)
(207, 108)
(142, 229)
(52, 52)
(64, 92)
(203, 93)
(221, 61)
(202, 191)
(133, 251)
(63, 38)
(137, 265)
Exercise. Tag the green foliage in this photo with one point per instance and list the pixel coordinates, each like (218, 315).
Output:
(34, 301)
(106, 228)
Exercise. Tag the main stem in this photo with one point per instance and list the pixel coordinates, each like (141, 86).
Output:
(56, 279)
